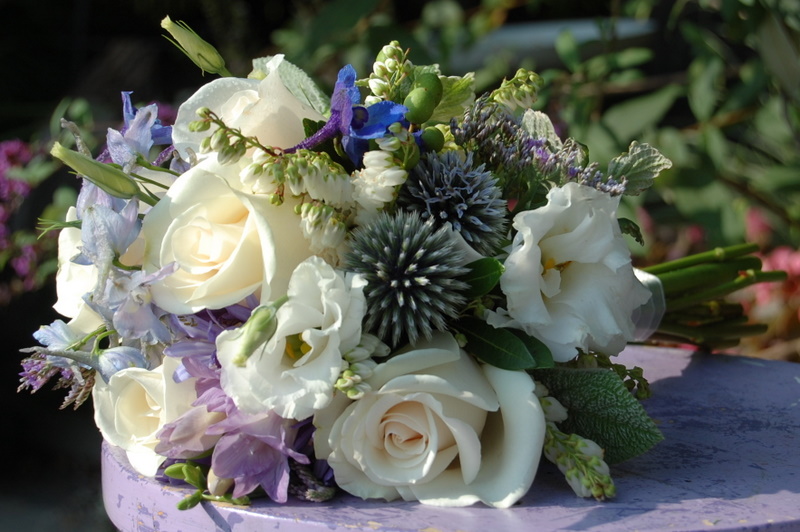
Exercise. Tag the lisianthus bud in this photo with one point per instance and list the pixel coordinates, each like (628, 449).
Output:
(199, 51)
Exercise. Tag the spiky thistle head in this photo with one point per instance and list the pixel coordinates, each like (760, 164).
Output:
(411, 269)
(447, 187)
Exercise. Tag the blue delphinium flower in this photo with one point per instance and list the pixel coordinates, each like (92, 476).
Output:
(141, 131)
(411, 269)
(355, 123)
(448, 188)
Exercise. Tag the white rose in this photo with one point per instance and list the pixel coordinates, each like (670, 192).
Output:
(74, 280)
(135, 404)
(568, 279)
(437, 428)
(264, 109)
(228, 243)
(294, 372)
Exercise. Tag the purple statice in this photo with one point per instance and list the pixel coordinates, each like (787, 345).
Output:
(355, 123)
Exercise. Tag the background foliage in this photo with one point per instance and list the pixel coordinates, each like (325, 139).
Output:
(714, 84)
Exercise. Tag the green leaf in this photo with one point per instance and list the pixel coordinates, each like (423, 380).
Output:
(629, 227)
(640, 166)
(539, 126)
(603, 410)
(108, 178)
(458, 92)
(483, 276)
(567, 50)
(628, 119)
(540, 352)
(296, 81)
(706, 78)
(498, 347)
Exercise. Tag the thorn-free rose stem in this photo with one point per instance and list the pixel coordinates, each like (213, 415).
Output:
(714, 255)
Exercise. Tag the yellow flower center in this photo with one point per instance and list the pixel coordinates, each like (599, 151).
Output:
(296, 348)
(550, 264)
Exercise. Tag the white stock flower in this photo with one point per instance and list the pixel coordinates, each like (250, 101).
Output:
(135, 404)
(227, 242)
(264, 109)
(435, 427)
(294, 372)
(568, 279)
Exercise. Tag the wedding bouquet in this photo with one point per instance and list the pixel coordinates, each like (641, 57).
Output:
(403, 290)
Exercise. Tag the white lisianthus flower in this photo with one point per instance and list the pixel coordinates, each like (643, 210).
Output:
(135, 404)
(263, 109)
(227, 242)
(294, 372)
(435, 427)
(568, 278)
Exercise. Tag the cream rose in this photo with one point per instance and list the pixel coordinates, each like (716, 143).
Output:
(568, 279)
(294, 372)
(437, 428)
(264, 109)
(135, 404)
(227, 242)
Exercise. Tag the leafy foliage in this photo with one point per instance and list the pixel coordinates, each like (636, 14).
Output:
(602, 409)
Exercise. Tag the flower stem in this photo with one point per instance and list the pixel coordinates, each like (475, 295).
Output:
(745, 279)
(714, 255)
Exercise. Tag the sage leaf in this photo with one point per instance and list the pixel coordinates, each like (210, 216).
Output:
(640, 166)
(601, 409)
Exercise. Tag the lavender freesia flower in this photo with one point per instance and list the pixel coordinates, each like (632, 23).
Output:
(254, 450)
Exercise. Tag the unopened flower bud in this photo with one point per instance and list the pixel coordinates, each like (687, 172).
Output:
(199, 51)
(218, 486)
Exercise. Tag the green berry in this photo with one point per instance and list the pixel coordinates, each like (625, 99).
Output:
(433, 139)
(432, 83)
(420, 104)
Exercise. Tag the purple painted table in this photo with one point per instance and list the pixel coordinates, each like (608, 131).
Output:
(730, 461)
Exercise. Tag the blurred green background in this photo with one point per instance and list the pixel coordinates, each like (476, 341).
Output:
(713, 84)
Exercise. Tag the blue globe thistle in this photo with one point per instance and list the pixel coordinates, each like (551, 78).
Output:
(447, 188)
(411, 269)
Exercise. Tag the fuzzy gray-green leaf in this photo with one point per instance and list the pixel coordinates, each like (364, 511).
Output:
(640, 165)
(603, 410)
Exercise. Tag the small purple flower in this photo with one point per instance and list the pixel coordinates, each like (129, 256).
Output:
(141, 131)
(355, 123)
(254, 451)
